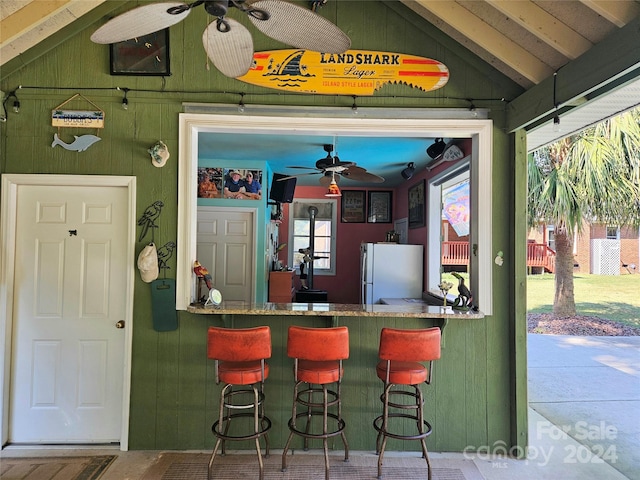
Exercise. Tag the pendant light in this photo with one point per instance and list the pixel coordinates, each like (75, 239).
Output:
(333, 190)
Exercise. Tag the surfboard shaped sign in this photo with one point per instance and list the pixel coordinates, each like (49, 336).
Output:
(354, 72)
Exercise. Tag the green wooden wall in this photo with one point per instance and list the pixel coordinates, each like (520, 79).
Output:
(473, 400)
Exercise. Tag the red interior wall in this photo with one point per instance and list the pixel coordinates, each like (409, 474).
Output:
(344, 287)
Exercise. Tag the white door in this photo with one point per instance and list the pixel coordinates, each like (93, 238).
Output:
(69, 293)
(225, 245)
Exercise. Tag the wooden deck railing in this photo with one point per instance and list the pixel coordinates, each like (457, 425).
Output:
(455, 253)
(538, 255)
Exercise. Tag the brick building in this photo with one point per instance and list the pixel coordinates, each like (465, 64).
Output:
(599, 249)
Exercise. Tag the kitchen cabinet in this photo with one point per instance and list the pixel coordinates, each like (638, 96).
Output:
(281, 287)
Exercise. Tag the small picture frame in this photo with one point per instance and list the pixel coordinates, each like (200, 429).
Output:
(209, 182)
(379, 209)
(353, 206)
(416, 205)
(145, 55)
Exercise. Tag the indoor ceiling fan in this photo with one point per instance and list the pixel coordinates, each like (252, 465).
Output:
(331, 167)
(228, 43)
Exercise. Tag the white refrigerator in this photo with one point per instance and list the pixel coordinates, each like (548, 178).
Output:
(390, 270)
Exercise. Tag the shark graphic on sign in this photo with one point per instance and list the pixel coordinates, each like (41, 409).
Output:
(354, 72)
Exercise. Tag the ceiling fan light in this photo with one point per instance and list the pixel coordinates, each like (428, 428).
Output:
(407, 173)
(333, 190)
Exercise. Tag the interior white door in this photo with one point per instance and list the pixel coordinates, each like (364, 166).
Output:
(225, 245)
(69, 294)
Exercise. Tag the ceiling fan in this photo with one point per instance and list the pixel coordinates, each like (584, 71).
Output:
(228, 43)
(331, 167)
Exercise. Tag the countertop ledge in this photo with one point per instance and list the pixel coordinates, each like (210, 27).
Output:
(411, 310)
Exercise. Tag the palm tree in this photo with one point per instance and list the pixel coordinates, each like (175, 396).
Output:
(591, 176)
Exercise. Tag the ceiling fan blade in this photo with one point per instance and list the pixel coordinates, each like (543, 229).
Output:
(138, 22)
(299, 27)
(361, 175)
(296, 166)
(229, 47)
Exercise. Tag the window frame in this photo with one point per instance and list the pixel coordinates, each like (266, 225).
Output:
(458, 172)
(334, 228)
(606, 232)
(424, 123)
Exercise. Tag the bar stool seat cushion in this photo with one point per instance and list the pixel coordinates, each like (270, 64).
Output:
(402, 373)
(319, 372)
(242, 373)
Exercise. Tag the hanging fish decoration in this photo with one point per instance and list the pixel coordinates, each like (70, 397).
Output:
(80, 144)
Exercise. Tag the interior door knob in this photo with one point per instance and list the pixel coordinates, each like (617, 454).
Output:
(120, 324)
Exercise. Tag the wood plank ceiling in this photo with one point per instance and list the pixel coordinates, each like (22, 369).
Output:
(527, 40)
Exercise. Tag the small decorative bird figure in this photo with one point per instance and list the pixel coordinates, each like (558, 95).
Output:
(464, 300)
(165, 252)
(149, 217)
(202, 272)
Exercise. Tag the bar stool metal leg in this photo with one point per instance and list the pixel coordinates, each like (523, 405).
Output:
(401, 353)
(239, 356)
(318, 355)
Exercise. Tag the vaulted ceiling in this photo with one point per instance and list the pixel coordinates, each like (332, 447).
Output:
(527, 40)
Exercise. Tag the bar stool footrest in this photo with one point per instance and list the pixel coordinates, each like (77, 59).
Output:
(265, 426)
(340, 426)
(309, 403)
(405, 406)
(377, 424)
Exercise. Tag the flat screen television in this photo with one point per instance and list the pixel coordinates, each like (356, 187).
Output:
(282, 191)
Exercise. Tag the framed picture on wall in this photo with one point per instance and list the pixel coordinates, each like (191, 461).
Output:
(353, 206)
(379, 209)
(417, 205)
(242, 184)
(209, 182)
(145, 55)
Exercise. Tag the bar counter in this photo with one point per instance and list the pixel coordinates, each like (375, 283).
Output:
(455, 401)
(407, 310)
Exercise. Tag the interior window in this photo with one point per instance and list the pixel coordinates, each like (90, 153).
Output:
(422, 122)
(449, 224)
(324, 221)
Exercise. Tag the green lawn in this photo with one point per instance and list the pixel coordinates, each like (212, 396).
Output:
(615, 297)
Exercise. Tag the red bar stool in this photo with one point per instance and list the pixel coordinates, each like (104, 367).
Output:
(401, 353)
(239, 356)
(318, 355)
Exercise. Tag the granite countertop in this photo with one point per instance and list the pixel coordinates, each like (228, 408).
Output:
(408, 309)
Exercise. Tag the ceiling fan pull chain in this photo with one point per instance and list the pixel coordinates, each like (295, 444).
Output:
(256, 13)
(183, 8)
(222, 25)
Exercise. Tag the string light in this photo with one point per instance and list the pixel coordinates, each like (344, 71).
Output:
(16, 102)
(241, 104)
(556, 118)
(125, 100)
